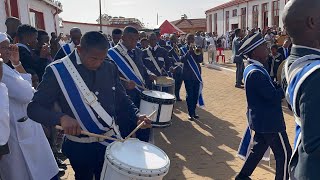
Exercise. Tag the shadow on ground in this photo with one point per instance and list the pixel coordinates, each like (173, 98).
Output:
(203, 146)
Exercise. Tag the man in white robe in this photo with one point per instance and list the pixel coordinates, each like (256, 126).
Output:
(30, 155)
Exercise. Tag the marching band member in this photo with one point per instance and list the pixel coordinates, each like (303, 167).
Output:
(192, 76)
(302, 73)
(89, 92)
(142, 35)
(265, 114)
(116, 36)
(144, 43)
(156, 58)
(130, 65)
(274, 61)
(65, 50)
(175, 53)
(30, 155)
(4, 116)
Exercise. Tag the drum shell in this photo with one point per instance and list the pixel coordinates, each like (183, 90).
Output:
(116, 170)
(164, 109)
(168, 88)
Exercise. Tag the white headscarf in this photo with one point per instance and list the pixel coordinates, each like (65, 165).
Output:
(3, 37)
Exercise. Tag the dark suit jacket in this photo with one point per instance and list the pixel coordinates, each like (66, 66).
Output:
(264, 104)
(102, 81)
(188, 73)
(282, 52)
(161, 56)
(307, 157)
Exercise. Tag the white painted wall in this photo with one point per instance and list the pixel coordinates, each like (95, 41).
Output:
(85, 28)
(236, 20)
(24, 6)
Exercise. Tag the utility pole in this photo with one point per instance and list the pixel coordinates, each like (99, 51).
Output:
(100, 15)
(157, 19)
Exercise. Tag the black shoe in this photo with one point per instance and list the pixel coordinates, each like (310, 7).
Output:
(242, 83)
(191, 118)
(238, 86)
(178, 99)
(61, 172)
(196, 116)
(242, 177)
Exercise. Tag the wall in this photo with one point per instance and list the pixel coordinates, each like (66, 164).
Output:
(236, 20)
(85, 27)
(24, 6)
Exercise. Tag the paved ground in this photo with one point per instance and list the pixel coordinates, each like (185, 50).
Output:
(206, 149)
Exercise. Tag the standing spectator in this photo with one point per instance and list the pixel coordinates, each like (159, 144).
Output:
(54, 43)
(212, 50)
(275, 59)
(4, 116)
(30, 155)
(198, 40)
(27, 37)
(269, 37)
(42, 54)
(236, 44)
(12, 25)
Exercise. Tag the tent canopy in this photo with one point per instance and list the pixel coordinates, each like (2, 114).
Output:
(168, 28)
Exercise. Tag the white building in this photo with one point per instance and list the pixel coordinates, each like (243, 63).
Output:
(86, 27)
(245, 13)
(42, 14)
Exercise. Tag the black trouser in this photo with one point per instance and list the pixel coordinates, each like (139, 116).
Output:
(178, 82)
(86, 159)
(239, 72)
(281, 148)
(192, 88)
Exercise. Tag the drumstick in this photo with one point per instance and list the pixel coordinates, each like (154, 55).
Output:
(123, 79)
(140, 125)
(92, 134)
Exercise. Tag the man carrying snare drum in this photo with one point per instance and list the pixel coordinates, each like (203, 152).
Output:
(89, 92)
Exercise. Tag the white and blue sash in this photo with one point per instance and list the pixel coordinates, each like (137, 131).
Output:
(81, 110)
(247, 140)
(298, 72)
(66, 49)
(126, 70)
(192, 63)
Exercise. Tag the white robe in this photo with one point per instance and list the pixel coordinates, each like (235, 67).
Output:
(4, 115)
(30, 155)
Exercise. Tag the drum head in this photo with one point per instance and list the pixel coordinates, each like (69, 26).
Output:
(158, 95)
(138, 155)
(164, 80)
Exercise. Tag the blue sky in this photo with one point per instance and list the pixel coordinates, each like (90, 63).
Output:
(145, 10)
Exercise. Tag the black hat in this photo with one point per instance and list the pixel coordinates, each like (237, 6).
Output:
(251, 43)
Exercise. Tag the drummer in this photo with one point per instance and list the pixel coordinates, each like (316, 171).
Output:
(129, 61)
(86, 154)
(156, 58)
(175, 53)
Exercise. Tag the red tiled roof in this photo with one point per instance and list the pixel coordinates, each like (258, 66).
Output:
(111, 25)
(190, 23)
(227, 4)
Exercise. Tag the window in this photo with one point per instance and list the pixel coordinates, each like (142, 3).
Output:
(243, 18)
(227, 20)
(36, 19)
(11, 8)
(265, 17)
(275, 13)
(210, 23)
(215, 19)
(255, 16)
(234, 13)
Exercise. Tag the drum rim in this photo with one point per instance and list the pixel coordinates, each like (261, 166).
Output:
(129, 170)
(157, 97)
(146, 97)
(172, 81)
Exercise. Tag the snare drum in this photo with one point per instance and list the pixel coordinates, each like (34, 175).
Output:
(161, 102)
(134, 160)
(165, 84)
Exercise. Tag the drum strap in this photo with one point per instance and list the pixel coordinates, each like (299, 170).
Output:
(89, 97)
(153, 60)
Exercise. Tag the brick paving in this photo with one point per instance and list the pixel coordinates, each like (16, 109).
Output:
(206, 149)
